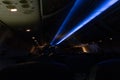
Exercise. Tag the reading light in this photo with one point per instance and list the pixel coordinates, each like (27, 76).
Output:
(111, 38)
(13, 10)
(33, 37)
(28, 30)
(100, 9)
(100, 41)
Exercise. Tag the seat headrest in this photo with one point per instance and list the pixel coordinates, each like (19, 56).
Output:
(106, 70)
(36, 71)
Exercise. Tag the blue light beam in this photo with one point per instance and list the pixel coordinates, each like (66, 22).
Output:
(73, 9)
(103, 7)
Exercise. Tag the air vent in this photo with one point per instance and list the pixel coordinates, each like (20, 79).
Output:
(7, 2)
(33, 8)
(31, 1)
(26, 6)
(28, 11)
(11, 7)
(23, 1)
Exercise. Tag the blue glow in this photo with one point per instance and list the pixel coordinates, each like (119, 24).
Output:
(74, 8)
(95, 13)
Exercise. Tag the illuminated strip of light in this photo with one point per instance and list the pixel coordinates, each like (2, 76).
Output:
(95, 13)
(28, 30)
(13, 10)
(74, 8)
(84, 49)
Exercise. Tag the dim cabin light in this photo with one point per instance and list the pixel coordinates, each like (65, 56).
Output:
(13, 10)
(28, 30)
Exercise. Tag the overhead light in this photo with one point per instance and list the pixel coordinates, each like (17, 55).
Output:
(28, 30)
(111, 38)
(13, 10)
(33, 37)
(100, 41)
(35, 40)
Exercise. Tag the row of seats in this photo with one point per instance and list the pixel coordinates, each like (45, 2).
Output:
(106, 70)
(36, 71)
(45, 68)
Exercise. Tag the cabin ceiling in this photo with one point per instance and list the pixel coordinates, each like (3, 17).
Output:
(44, 18)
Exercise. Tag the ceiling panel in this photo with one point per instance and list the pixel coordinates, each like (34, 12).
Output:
(26, 12)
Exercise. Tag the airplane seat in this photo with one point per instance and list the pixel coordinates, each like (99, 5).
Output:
(106, 70)
(80, 63)
(36, 71)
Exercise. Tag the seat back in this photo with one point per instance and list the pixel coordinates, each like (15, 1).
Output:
(36, 71)
(106, 70)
